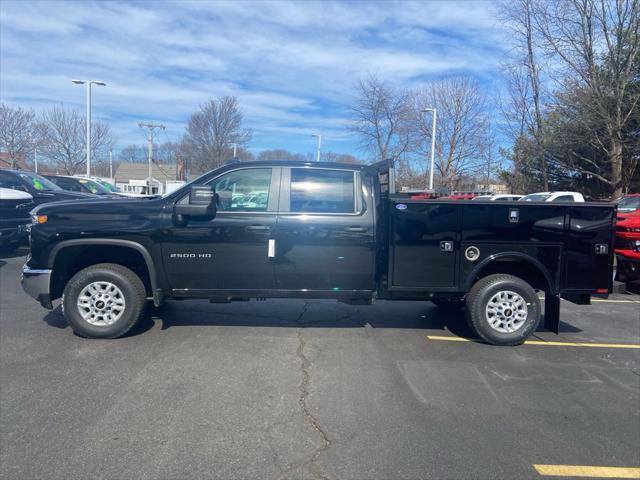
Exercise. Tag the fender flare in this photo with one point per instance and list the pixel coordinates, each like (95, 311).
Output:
(153, 279)
(514, 255)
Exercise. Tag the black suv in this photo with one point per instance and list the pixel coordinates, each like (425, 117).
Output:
(80, 184)
(41, 189)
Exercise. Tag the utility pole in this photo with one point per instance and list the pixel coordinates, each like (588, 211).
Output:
(110, 164)
(235, 146)
(150, 128)
(88, 119)
(433, 144)
(35, 158)
(319, 137)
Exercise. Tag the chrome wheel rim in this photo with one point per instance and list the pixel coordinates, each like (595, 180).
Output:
(506, 311)
(101, 303)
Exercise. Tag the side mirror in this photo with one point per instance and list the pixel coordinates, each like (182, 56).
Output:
(201, 204)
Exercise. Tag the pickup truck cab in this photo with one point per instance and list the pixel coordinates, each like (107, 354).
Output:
(553, 197)
(317, 230)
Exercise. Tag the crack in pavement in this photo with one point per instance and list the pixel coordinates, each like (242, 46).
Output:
(315, 469)
(303, 400)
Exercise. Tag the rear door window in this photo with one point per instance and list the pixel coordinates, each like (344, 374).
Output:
(322, 191)
(67, 184)
(563, 198)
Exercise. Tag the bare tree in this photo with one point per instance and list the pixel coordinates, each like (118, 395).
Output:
(63, 138)
(463, 132)
(597, 43)
(212, 130)
(379, 116)
(328, 156)
(134, 153)
(279, 154)
(16, 132)
(523, 69)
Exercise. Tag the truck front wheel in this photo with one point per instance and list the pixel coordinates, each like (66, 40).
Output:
(103, 301)
(503, 309)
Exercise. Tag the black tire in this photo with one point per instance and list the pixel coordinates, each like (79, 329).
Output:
(480, 295)
(130, 286)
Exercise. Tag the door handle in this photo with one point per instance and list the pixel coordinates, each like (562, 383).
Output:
(257, 228)
(355, 229)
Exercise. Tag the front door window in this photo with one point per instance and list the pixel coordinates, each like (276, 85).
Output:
(243, 190)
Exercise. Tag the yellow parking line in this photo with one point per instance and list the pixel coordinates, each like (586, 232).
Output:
(587, 471)
(448, 339)
(545, 343)
(606, 300)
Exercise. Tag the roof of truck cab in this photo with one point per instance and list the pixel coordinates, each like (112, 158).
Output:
(297, 163)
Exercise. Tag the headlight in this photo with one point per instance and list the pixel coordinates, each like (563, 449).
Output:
(38, 219)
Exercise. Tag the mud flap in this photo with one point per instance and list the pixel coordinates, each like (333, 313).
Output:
(552, 312)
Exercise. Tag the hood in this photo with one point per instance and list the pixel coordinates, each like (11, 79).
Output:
(624, 216)
(10, 194)
(96, 205)
(60, 195)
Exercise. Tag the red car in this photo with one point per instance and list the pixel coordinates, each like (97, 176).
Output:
(628, 238)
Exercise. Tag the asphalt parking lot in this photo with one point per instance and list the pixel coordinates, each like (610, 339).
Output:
(315, 390)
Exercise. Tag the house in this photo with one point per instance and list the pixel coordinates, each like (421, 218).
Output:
(5, 161)
(134, 178)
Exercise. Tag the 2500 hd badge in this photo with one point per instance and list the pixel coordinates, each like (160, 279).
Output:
(191, 255)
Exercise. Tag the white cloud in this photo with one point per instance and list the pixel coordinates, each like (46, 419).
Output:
(291, 64)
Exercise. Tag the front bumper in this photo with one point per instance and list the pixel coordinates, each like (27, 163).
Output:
(36, 284)
(13, 235)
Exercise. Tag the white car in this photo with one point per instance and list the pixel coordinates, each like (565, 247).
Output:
(503, 197)
(553, 197)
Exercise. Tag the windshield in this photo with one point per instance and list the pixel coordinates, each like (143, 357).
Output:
(107, 186)
(535, 197)
(93, 187)
(38, 182)
(186, 186)
(629, 204)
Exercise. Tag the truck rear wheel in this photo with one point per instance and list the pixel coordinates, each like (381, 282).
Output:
(103, 301)
(503, 309)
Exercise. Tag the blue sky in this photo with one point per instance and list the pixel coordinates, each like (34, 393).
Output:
(292, 65)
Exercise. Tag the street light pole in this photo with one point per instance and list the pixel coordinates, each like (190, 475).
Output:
(88, 83)
(433, 144)
(235, 146)
(110, 164)
(319, 137)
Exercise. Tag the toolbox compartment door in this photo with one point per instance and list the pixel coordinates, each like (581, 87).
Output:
(589, 264)
(424, 245)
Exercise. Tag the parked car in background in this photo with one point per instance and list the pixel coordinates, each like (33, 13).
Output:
(628, 238)
(499, 198)
(15, 206)
(41, 189)
(553, 197)
(81, 184)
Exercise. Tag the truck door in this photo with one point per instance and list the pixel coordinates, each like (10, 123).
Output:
(229, 252)
(325, 237)
(423, 244)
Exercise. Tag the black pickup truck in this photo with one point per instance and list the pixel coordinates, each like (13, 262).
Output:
(317, 230)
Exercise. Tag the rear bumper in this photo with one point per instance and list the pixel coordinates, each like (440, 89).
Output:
(36, 284)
